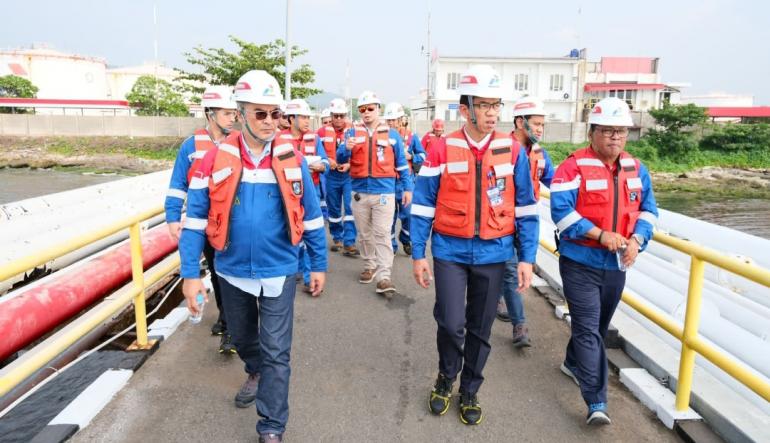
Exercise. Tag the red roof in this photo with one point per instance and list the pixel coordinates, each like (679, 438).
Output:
(57, 102)
(739, 111)
(618, 86)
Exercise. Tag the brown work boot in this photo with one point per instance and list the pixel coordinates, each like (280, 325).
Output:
(366, 276)
(351, 251)
(385, 288)
(336, 246)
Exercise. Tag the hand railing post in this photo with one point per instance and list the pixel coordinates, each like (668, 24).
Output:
(690, 332)
(137, 270)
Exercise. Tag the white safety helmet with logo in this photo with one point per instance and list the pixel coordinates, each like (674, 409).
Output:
(298, 106)
(611, 111)
(325, 113)
(526, 106)
(368, 98)
(338, 106)
(479, 81)
(258, 87)
(393, 111)
(218, 96)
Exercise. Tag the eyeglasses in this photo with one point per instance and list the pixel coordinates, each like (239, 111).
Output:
(610, 132)
(487, 106)
(362, 109)
(339, 116)
(259, 114)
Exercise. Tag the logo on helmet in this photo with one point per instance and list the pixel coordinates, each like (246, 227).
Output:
(524, 105)
(597, 109)
(242, 86)
(469, 80)
(211, 96)
(494, 82)
(617, 112)
(269, 90)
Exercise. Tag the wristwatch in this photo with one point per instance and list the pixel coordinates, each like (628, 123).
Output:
(639, 239)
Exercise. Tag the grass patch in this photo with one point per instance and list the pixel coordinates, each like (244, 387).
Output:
(151, 148)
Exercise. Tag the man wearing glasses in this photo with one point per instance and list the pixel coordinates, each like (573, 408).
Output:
(338, 189)
(219, 109)
(255, 204)
(376, 155)
(474, 192)
(604, 209)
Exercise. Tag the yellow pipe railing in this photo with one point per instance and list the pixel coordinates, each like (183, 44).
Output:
(688, 334)
(19, 370)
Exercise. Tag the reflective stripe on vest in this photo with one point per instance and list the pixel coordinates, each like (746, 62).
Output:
(306, 147)
(477, 197)
(599, 194)
(203, 143)
(372, 157)
(226, 177)
(407, 136)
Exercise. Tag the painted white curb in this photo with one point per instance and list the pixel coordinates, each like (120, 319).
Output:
(95, 397)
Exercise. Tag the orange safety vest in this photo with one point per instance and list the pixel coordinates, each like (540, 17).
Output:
(477, 197)
(203, 143)
(226, 177)
(372, 157)
(610, 201)
(329, 139)
(306, 147)
(536, 167)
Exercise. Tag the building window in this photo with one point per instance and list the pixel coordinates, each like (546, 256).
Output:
(452, 79)
(557, 82)
(629, 95)
(521, 82)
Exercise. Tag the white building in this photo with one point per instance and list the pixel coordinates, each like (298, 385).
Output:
(636, 80)
(121, 80)
(57, 75)
(552, 79)
(719, 99)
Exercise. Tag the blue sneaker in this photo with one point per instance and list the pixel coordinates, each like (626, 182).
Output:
(597, 414)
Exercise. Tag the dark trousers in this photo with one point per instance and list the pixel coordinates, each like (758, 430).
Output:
(466, 303)
(592, 294)
(261, 328)
(208, 252)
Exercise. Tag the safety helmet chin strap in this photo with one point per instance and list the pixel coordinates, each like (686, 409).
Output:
(532, 139)
(472, 112)
(251, 133)
(211, 118)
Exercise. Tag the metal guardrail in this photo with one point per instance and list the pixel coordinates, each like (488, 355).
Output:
(137, 293)
(687, 334)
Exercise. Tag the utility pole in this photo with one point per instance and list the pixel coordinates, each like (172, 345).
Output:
(287, 57)
(429, 54)
(155, 46)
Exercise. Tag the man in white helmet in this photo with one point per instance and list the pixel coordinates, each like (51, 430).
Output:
(326, 117)
(415, 155)
(474, 192)
(254, 203)
(220, 113)
(376, 155)
(529, 124)
(338, 190)
(283, 122)
(604, 209)
(308, 144)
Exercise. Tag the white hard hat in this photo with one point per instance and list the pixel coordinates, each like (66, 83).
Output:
(528, 106)
(338, 106)
(368, 98)
(611, 111)
(218, 96)
(258, 87)
(325, 113)
(393, 111)
(480, 81)
(298, 107)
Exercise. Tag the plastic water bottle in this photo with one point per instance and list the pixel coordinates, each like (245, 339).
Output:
(200, 301)
(620, 253)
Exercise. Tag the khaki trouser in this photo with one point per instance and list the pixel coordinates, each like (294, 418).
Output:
(373, 222)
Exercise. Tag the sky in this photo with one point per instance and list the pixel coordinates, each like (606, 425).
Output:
(715, 45)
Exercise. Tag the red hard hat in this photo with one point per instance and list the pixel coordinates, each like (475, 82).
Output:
(438, 124)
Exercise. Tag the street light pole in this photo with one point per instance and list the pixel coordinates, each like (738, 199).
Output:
(287, 57)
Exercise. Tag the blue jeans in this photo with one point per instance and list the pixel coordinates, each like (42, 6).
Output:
(592, 294)
(338, 192)
(261, 328)
(402, 213)
(509, 293)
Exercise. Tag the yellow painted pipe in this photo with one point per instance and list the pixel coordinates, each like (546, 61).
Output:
(691, 323)
(65, 247)
(40, 355)
(137, 271)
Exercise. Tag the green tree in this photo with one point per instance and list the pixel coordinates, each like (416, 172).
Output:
(156, 97)
(17, 87)
(13, 86)
(221, 67)
(676, 140)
